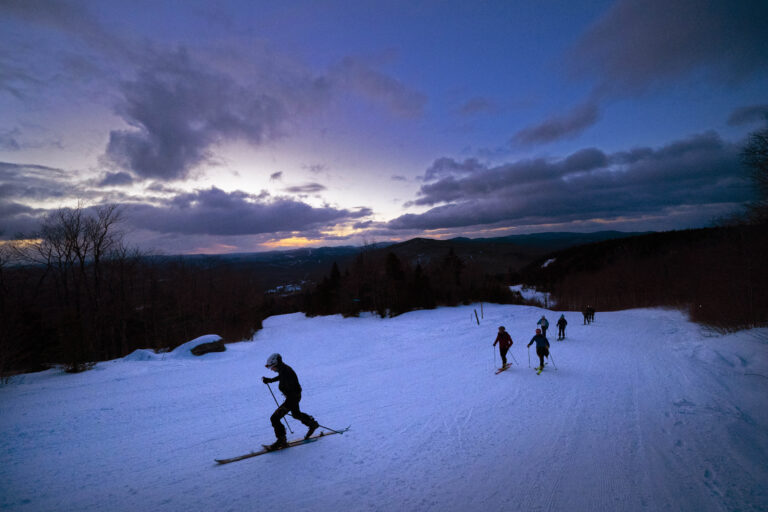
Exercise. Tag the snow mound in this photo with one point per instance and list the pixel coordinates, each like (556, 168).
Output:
(184, 351)
(141, 354)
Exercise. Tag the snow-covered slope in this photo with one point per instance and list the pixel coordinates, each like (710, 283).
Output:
(645, 411)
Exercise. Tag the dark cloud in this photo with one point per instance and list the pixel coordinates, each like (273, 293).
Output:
(700, 174)
(178, 110)
(17, 219)
(570, 124)
(450, 167)
(358, 75)
(398, 178)
(35, 182)
(215, 212)
(116, 179)
(276, 176)
(749, 115)
(639, 43)
(309, 188)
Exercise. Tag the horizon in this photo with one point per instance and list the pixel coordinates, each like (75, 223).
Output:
(250, 127)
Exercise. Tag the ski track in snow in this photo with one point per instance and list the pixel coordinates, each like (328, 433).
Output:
(645, 411)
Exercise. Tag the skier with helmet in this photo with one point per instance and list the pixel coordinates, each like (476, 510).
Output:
(543, 323)
(542, 347)
(289, 386)
(505, 341)
(561, 323)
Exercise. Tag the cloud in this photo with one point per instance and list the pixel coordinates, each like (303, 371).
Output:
(700, 174)
(637, 44)
(309, 188)
(178, 110)
(275, 176)
(749, 115)
(35, 182)
(116, 179)
(358, 75)
(570, 124)
(215, 212)
(450, 167)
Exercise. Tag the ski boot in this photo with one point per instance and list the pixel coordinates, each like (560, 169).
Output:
(278, 445)
(311, 430)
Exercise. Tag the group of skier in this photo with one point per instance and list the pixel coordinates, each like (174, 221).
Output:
(504, 340)
(290, 388)
(589, 314)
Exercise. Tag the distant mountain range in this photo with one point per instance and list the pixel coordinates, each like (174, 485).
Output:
(496, 255)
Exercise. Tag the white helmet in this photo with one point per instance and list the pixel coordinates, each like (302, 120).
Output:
(274, 360)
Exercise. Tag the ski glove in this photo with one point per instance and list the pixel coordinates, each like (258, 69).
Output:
(265, 380)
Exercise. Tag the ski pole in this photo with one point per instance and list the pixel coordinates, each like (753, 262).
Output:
(278, 405)
(553, 360)
(513, 358)
(529, 356)
(328, 428)
(493, 349)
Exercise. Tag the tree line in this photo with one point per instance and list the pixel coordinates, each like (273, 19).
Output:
(74, 293)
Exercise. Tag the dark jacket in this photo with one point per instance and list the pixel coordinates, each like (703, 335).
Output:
(541, 341)
(562, 322)
(289, 382)
(503, 339)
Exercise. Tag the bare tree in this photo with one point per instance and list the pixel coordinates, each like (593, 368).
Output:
(71, 247)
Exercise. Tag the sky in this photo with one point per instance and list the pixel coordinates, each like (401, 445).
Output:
(241, 126)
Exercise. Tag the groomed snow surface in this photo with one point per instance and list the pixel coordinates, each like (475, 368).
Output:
(645, 411)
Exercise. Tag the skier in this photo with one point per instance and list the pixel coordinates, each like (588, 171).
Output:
(542, 347)
(505, 341)
(543, 323)
(561, 323)
(289, 386)
(585, 312)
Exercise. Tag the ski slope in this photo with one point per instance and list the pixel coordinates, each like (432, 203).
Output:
(646, 411)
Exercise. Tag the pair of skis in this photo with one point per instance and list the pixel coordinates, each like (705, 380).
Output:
(267, 449)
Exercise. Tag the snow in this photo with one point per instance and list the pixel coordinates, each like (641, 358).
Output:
(532, 294)
(645, 411)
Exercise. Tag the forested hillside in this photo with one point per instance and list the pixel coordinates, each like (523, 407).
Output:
(718, 275)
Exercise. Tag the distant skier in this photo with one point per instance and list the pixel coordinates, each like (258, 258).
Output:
(585, 312)
(542, 347)
(543, 323)
(561, 323)
(505, 341)
(289, 386)
(591, 313)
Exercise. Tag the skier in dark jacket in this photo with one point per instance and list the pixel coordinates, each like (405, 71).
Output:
(542, 347)
(561, 323)
(289, 386)
(505, 341)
